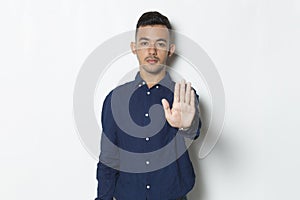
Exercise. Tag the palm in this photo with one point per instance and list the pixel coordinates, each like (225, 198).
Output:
(183, 109)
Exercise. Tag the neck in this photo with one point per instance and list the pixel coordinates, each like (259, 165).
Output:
(152, 79)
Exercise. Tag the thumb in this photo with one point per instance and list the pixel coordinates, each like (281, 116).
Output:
(166, 106)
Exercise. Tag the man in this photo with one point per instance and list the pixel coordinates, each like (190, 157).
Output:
(143, 153)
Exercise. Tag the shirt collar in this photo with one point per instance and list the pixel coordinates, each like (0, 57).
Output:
(166, 81)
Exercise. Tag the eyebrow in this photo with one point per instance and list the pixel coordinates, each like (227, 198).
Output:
(160, 39)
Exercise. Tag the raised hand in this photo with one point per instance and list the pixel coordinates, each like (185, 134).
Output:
(183, 109)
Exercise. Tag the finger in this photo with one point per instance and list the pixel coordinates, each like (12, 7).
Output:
(176, 92)
(166, 107)
(193, 98)
(188, 93)
(182, 91)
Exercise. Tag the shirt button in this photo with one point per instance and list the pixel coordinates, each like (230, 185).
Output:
(147, 162)
(157, 86)
(140, 85)
(148, 187)
(147, 139)
(146, 115)
(144, 83)
(148, 93)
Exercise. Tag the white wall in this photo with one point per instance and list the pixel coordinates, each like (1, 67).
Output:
(254, 45)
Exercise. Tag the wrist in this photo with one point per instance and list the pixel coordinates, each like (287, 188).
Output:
(184, 129)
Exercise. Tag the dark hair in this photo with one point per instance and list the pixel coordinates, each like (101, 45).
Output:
(153, 18)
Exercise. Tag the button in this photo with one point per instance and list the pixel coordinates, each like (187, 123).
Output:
(143, 82)
(148, 92)
(147, 162)
(146, 115)
(147, 139)
(140, 85)
(157, 86)
(148, 187)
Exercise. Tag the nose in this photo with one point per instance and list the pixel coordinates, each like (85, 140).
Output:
(152, 49)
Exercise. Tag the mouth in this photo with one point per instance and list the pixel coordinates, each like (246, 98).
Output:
(152, 61)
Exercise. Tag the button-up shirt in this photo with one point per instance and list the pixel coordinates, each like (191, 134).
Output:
(139, 160)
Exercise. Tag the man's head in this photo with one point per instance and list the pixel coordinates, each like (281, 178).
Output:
(152, 42)
(153, 18)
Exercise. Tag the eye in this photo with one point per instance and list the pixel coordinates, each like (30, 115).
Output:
(144, 43)
(162, 44)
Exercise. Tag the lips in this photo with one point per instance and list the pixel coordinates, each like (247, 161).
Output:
(152, 60)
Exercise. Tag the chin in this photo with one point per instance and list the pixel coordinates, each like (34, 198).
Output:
(153, 69)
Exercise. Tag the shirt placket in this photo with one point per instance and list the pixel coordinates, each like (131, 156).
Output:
(149, 92)
(147, 102)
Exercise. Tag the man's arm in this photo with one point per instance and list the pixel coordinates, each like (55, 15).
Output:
(108, 164)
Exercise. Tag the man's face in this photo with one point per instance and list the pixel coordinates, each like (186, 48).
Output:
(152, 48)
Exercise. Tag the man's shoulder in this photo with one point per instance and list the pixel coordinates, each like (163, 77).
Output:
(124, 87)
(121, 89)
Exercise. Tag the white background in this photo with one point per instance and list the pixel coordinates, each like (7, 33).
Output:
(253, 43)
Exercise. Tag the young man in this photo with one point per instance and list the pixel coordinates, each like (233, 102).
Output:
(146, 158)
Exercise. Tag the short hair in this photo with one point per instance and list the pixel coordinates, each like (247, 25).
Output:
(153, 18)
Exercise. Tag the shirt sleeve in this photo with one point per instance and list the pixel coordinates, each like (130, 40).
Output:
(193, 132)
(107, 168)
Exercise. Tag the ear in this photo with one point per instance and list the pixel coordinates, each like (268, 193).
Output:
(133, 47)
(171, 50)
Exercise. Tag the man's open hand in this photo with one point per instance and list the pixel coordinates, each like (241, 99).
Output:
(183, 109)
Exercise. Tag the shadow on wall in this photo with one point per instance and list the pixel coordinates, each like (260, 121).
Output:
(198, 192)
(226, 161)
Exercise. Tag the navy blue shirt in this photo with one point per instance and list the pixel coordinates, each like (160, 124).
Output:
(142, 156)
